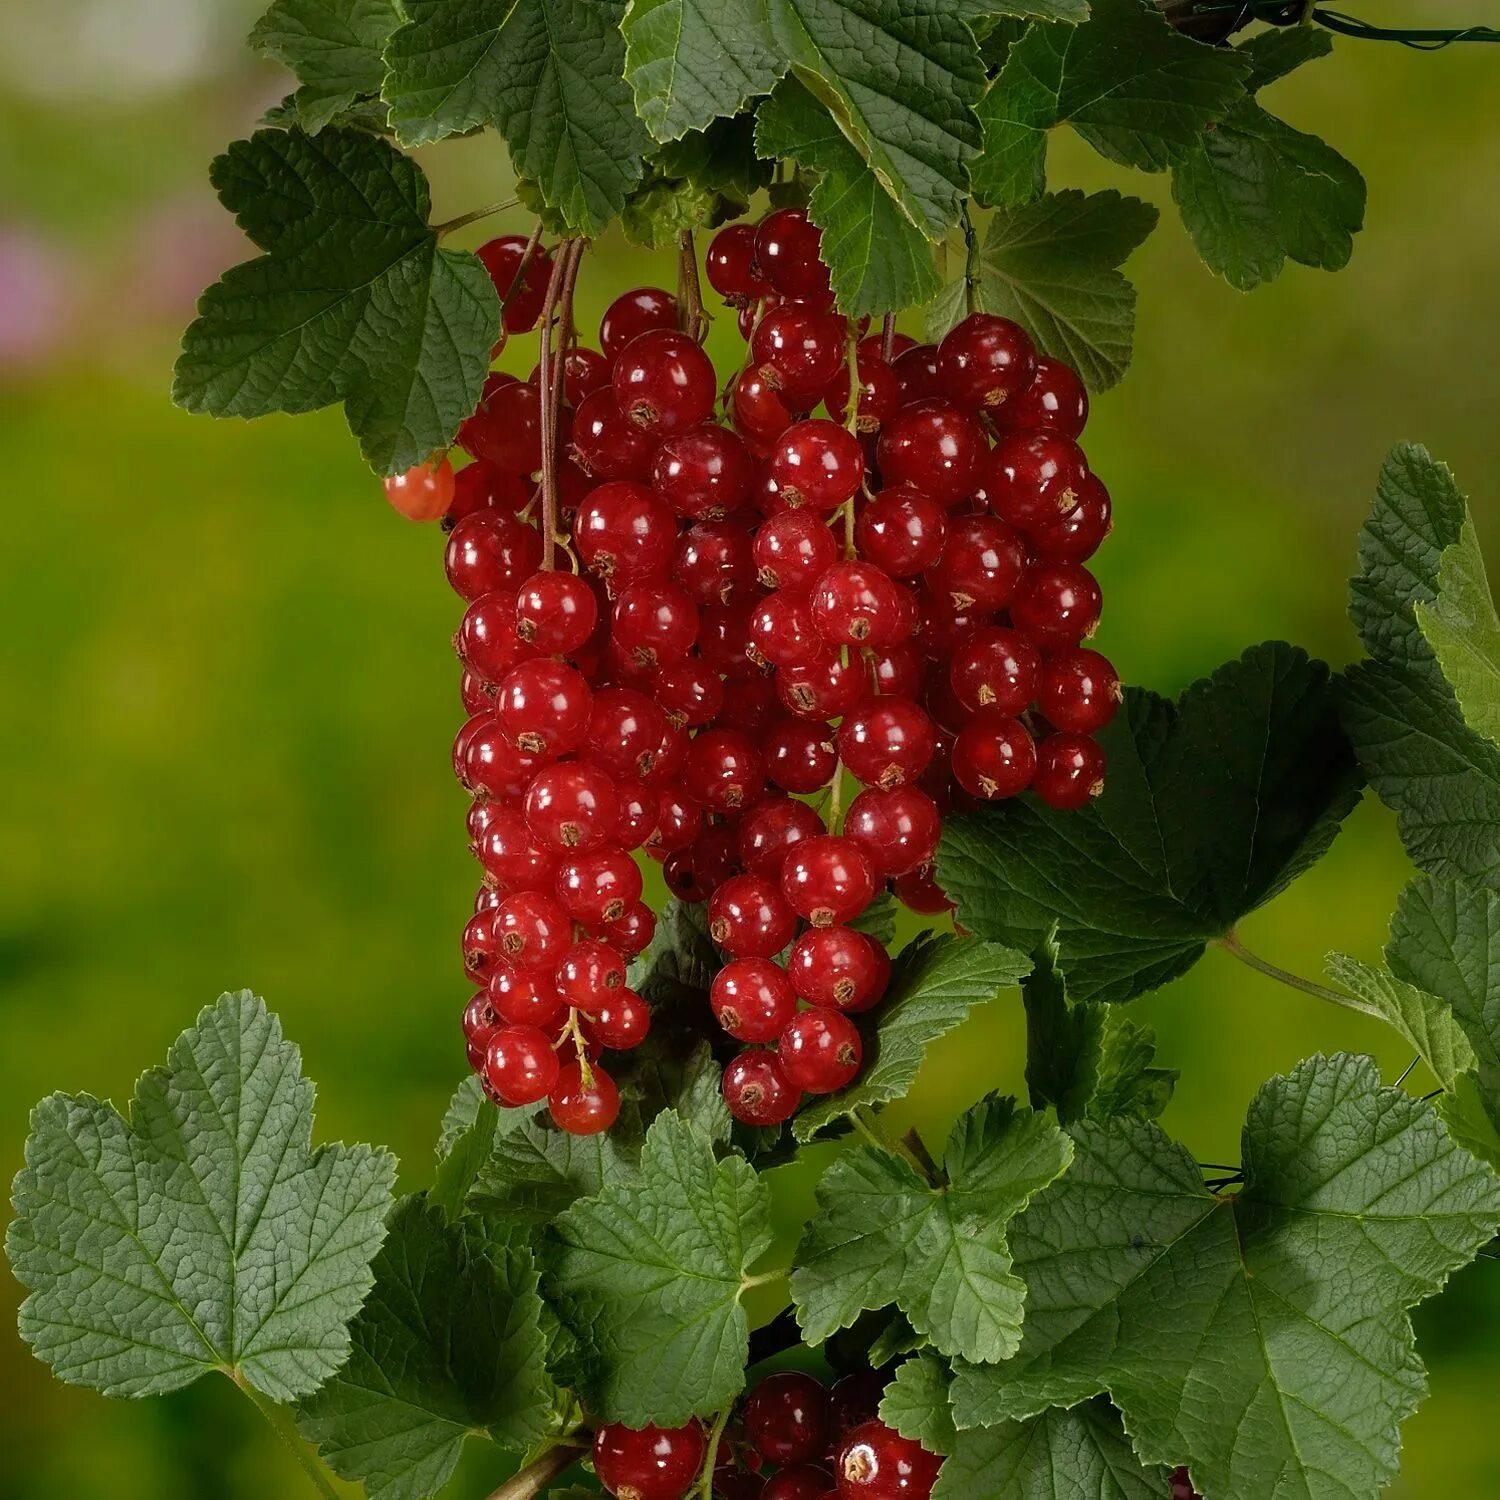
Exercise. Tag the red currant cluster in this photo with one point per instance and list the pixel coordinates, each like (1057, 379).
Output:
(908, 568)
(793, 1440)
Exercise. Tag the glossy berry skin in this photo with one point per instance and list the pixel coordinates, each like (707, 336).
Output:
(801, 755)
(1069, 771)
(827, 880)
(916, 370)
(853, 1401)
(786, 254)
(606, 443)
(543, 707)
(836, 967)
(820, 1051)
(886, 742)
(876, 1463)
(1080, 691)
(748, 917)
(488, 764)
(632, 931)
(856, 604)
(589, 973)
(655, 623)
(1075, 537)
(756, 407)
(901, 531)
(620, 1021)
(506, 431)
(703, 473)
(572, 805)
(490, 551)
(781, 626)
(523, 294)
(713, 562)
(985, 361)
(1057, 605)
(481, 947)
(1056, 401)
(583, 1107)
(633, 313)
(793, 549)
(994, 756)
(1034, 478)
(598, 886)
(584, 372)
(724, 770)
(422, 493)
(487, 642)
(689, 692)
(481, 486)
(757, 1091)
(526, 997)
(982, 564)
(934, 448)
(555, 612)
(509, 851)
(531, 930)
(520, 1065)
(731, 266)
(798, 350)
(786, 1418)
(1182, 1486)
(664, 382)
(825, 689)
(625, 532)
(898, 829)
(625, 733)
(752, 999)
(877, 400)
(817, 464)
(919, 891)
(802, 1482)
(897, 670)
(770, 828)
(994, 667)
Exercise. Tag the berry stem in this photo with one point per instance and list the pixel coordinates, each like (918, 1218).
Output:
(888, 337)
(574, 1031)
(914, 1143)
(282, 1424)
(464, 220)
(533, 244)
(705, 1484)
(540, 1472)
(694, 319)
(971, 262)
(549, 402)
(919, 1158)
(1230, 942)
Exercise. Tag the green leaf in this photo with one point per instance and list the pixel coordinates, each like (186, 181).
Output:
(1440, 776)
(204, 1232)
(548, 74)
(678, 967)
(333, 46)
(1137, 90)
(936, 982)
(879, 261)
(1463, 630)
(656, 215)
(722, 158)
(1265, 1334)
(1051, 266)
(883, 1235)
(648, 1274)
(1212, 806)
(1058, 1453)
(901, 78)
(1423, 1019)
(353, 302)
(1464, 1112)
(915, 1403)
(985, 15)
(691, 61)
(878, 919)
(534, 1170)
(449, 1342)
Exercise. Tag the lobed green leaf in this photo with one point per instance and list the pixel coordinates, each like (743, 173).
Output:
(334, 48)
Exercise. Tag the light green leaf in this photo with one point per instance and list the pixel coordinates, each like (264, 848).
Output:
(1051, 267)
(648, 1275)
(1440, 776)
(915, 1403)
(547, 73)
(901, 78)
(1265, 1334)
(656, 214)
(353, 302)
(1211, 807)
(1463, 630)
(883, 1235)
(449, 1342)
(1464, 1112)
(1137, 90)
(204, 1232)
(693, 61)
(1424, 1020)
(333, 46)
(936, 982)
(879, 261)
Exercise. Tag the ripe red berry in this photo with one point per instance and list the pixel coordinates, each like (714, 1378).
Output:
(752, 999)
(724, 770)
(424, 492)
(902, 531)
(748, 917)
(619, 1021)
(585, 1107)
(520, 1065)
(757, 1091)
(817, 464)
(996, 668)
(985, 361)
(589, 972)
(993, 756)
(713, 562)
(731, 266)
(1055, 400)
(1182, 1486)
(826, 688)
(584, 372)
(571, 805)
(793, 549)
(982, 564)
(857, 604)
(799, 350)
(664, 382)
(935, 448)
(543, 707)
(898, 670)
(1080, 691)
(625, 532)
(487, 642)
(916, 370)
(877, 401)
(756, 407)
(899, 829)
(689, 692)
(506, 430)
(786, 1418)
(771, 827)
(1075, 537)
(487, 762)
(632, 931)
(876, 1463)
(919, 891)
(820, 1051)
(837, 967)
(481, 486)
(598, 886)
(1033, 479)
(480, 946)
(827, 880)
(510, 852)
(1069, 771)
(703, 473)
(802, 1482)
(633, 313)
(655, 624)
(555, 612)
(523, 294)
(886, 742)
(853, 1401)
(1057, 604)
(526, 997)
(531, 930)
(625, 733)
(606, 443)
(786, 253)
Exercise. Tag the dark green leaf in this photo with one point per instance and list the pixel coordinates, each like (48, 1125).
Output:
(449, 1342)
(985, 15)
(547, 73)
(1281, 50)
(679, 966)
(333, 46)
(1138, 91)
(1051, 266)
(354, 302)
(722, 158)
(1212, 806)
(1265, 1334)
(204, 1233)
(936, 982)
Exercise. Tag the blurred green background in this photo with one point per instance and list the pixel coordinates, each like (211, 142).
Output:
(229, 693)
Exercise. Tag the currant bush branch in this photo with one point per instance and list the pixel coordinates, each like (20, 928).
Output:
(1231, 943)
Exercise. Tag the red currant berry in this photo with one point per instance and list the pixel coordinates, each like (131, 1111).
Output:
(899, 829)
(480, 1023)
(1034, 478)
(933, 447)
(757, 1091)
(475, 693)
(526, 997)
(572, 805)
(824, 689)
(853, 1401)
(625, 532)
(655, 623)
(489, 764)
(664, 382)
(770, 828)
(994, 756)
(689, 692)
(725, 642)
(857, 604)
(555, 612)
(487, 642)
(481, 486)
(748, 917)
(1075, 537)
(981, 566)
(836, 967)
(589, 972)
(786, 1418)
(724, 770)
(916, 370)
(996, 668)
(902, 531)
(1055, 401)
(919, 891)
(630, 933)
(1080, 691)
(638, 811)
(584, 372)
(886, 742)
(898, 670)
(490, 551)
(679, 821)
(716, 856)
(800, 755)
(827, 880)
(522, 293)
(1057, 604)
(543, 707)
(520, 1065)
(619, 1021)
(704, 473)
(587, 1106)
(714, 563)
(799, 350)
(793, 549)
(820, 1051)
(786, 253)
(752, 999)
(876, 1463)
(424, 492)
(633, 313)
(1182, 1486)
(510, 853)
(731, 266)
(625, 733)
(531, 930)
(817, 464)
(1069, 771)
(781, 625)
(757, 409)
(803, 1482)
(606, 443)
(878, 400)
(599, 885)
(985, 361)
(506, 430)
